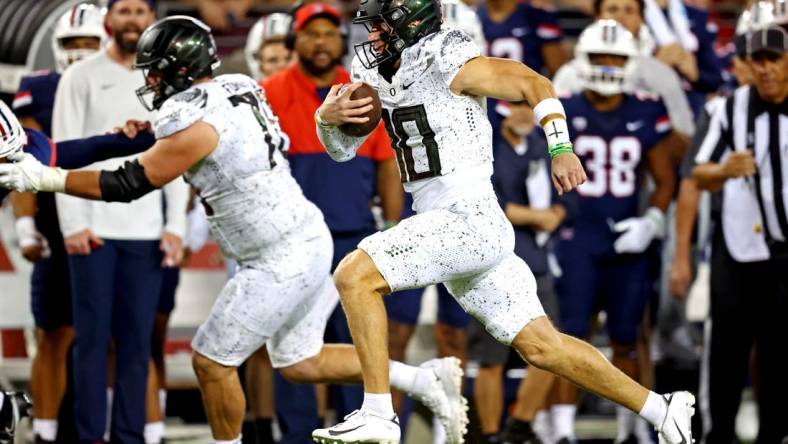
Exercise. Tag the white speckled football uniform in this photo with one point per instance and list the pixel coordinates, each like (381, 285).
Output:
(460, 235)
(282, 294)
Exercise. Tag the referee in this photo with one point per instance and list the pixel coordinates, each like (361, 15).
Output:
(745, 155)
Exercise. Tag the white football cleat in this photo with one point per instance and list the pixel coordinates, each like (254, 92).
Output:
(677, 427)
(444, 397)
(361, 426)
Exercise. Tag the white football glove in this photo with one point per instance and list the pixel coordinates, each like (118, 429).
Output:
(638, 232)
(26, 173)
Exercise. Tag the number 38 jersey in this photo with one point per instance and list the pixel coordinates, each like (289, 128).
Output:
(250, 197)
(443, 142)
(613, 146)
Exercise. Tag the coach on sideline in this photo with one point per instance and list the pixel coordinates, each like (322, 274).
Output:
(115, 249)
(744, 155)
(343, 191)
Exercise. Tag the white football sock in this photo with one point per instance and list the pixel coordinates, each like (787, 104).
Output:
(108, 423)
(563, 420)
(378, 403)
(163, 402)
(232, 441)
(625, 422)
(542, 425)
(2, 399)
(154, 432)
(402, 376)
(46, 429)
(655, 410)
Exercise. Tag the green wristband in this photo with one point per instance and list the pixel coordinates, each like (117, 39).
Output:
(560, 148)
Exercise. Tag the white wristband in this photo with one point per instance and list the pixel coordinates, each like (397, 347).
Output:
(53, 180)
(26, 231)
(557, 132)
(547, 107)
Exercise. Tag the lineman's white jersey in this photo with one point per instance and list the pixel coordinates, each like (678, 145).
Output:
(443, 141)
(251, 199)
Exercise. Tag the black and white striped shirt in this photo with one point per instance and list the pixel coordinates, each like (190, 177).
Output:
(758, 204)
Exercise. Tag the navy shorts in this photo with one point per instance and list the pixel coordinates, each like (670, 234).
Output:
(404, 307)
(50, 286)
(619, 284)
(169, 285)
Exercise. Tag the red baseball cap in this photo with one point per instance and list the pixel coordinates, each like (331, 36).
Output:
(314, 10)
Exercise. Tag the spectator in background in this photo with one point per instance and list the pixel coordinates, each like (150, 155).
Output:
(522, 181)
(342, 191)
(685, 42)
(650, 74)
(117, 251)
(266, 52)
(77, 34)
(521, 31)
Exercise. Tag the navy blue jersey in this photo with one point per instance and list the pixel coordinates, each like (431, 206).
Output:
(521, 176)
(613, 146)
(36, 98)
(520, 37)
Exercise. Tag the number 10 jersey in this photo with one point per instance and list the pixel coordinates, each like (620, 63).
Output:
(443, 141)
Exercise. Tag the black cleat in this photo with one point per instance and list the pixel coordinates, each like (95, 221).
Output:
(16, 405)
(519, 432)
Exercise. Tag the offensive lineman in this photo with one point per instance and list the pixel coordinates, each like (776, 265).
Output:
(431, 84)
(222, 136)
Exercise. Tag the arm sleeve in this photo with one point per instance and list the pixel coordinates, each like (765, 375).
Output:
(339, 145)
(714, 143)
(456, 49)
(709, 66)
(547, 28)
(176, 194)
(23, 99)
(68, 122)
(664, 81)
(78, 153)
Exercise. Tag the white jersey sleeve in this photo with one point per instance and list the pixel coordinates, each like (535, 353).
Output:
(181, 111)
(339, 145)
(456, 49)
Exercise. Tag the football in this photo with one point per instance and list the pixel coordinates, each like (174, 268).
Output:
(363, 129)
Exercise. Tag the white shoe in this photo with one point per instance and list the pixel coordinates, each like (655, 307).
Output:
(361, 426)
(444, 397)
(677, 427)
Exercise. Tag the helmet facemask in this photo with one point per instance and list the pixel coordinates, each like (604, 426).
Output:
(13, 137)
(400, 24)
(606, 77)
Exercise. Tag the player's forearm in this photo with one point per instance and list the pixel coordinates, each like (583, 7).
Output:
(686, 211)
(338, 145)
(84, 184)
(390, 190)
(24, 204)
(79, 153)
(522, 215)
(709, 176)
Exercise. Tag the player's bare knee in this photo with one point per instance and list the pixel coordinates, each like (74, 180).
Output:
(540, 344)
(208, 370)
(357, 274)
(303, 372)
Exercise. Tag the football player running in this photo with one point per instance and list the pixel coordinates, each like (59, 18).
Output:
(432, 83)
(222, 136)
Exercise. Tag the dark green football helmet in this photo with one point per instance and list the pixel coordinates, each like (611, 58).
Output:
(405, 22)
(176, 51)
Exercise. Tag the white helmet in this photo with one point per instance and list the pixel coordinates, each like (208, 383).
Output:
(606, 37)
(12, 135)
(276, 24)
(459, 15)
(82, 20)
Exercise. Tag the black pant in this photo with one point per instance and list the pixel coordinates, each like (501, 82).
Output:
(748, 308)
